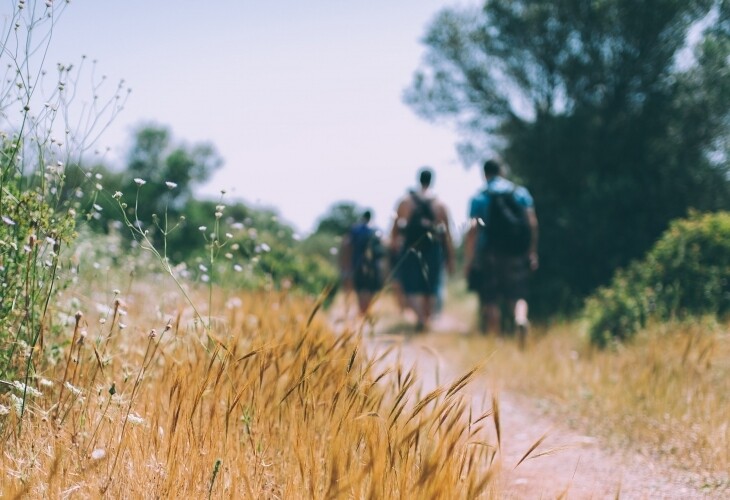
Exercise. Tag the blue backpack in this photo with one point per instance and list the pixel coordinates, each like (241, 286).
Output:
(367, 250)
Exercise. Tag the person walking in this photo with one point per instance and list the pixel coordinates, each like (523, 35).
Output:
(500, 249)
(360, 261)
(421, 238)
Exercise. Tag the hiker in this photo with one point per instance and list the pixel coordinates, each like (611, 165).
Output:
(500, 249)
(421, 238)
(360, 261)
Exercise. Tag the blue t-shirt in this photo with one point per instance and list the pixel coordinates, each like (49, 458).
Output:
(479, 203)
(364, 237)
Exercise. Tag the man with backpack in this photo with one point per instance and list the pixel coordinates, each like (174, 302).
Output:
(421, 239)
(500, 249)
(360, 261)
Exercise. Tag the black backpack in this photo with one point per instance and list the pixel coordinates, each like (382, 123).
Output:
(419, 231)
(508, 228)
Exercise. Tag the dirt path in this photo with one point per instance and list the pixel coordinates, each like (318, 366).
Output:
(567, 464)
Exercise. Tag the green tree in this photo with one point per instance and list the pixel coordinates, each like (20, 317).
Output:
(170, 170)
(609, 111)
(339, 218)
(155, 187)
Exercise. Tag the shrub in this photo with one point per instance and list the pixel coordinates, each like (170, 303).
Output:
(686, 273)
(31, 235)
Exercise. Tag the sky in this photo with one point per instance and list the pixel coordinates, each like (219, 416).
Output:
(302, 99)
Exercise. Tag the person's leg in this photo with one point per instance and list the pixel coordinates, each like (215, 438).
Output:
(438, 302)
(490, 316)
(520, 311)
(429, 302)
(416, 301)
(521, 322)
(516, 288)
(493, 317)
(364, 297)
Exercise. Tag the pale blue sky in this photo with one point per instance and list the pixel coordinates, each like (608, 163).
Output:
(302, 99)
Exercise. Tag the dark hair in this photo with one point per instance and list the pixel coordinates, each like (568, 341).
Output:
(492, 168)
(425, 175)
(366, 215)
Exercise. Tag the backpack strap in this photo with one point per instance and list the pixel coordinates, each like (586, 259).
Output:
(420, 200)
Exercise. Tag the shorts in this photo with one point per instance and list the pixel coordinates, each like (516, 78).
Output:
(501, 277)
(367, 280)
(420, 271)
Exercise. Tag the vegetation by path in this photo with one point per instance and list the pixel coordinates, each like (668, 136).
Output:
(574, 454)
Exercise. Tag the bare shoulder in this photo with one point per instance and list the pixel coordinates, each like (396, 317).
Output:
(405, 205)
(440, 209)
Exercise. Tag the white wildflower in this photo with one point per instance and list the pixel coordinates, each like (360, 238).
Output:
(117, 195)
(139, 182)
(17, 403)
(98, 454)
(234, 303)
(8, 221)
(73, 389)
(26, 389)
(171, 185)
(237, 268)
(135, 419)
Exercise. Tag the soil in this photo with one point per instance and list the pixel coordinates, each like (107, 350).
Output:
(568, 463)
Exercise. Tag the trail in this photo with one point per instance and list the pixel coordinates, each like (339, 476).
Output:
(566, 464)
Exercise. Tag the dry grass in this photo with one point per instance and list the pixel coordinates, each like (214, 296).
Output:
(268, 404)
(667, 393)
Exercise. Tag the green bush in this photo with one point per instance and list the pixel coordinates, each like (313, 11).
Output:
(686, 273)
(32, 232)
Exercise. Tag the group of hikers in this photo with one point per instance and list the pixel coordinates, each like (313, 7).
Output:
(500, 251)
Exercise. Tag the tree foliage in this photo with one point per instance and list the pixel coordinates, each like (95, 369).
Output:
(339, 218)
(171, 170)
(614, 113)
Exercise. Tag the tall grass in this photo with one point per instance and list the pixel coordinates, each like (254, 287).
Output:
(267, 403)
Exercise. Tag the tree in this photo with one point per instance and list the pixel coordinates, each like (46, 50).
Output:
(339, 218)
(614, 117)
(171, 170)
(157, 185)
